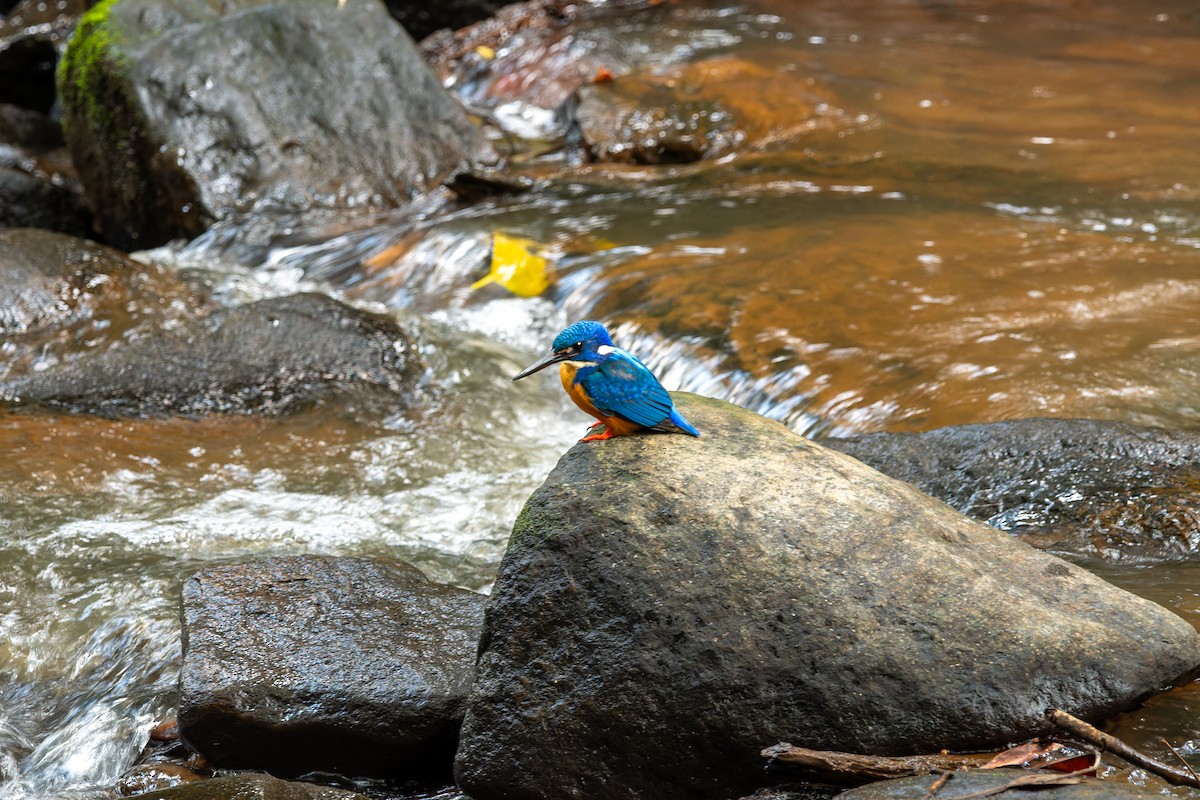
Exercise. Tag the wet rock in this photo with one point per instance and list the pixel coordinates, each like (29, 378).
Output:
(421, 18)
(48, 278)
(1099, 488)
(309, 663)
(38, 184)
(699, 110)
(180, 114)
(538, 58)
(27, 128)
(454, 54)
(63, 298)
(145, 778)
(972, 783)
(270, 357)
(551, 70)
(165, 731)
(668, 605)
(793, 792)
(642, 123)
(31, 201)
(250, 786)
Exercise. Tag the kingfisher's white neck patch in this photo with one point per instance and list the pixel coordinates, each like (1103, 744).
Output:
(605, 349)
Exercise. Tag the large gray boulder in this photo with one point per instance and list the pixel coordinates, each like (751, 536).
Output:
(270, 357)
(1100, 488)
(182, 112)
(318, 664)
(668, 606)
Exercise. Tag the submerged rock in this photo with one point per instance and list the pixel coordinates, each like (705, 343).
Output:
(317, 664)
(271, 357)
(549, 69)
(700, 110)
(251, 786)
(983, 782)
(1099, 488)
(667, 606)
(182, 113)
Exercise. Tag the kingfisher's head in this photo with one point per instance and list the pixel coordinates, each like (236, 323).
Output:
(583, 342)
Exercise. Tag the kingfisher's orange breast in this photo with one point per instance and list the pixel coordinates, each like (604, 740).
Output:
(566, 371)
(618, 426)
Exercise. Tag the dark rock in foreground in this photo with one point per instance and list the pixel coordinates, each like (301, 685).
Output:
(1101, 488)
(975, 783)
(668, 605)
(316, 664)
(251, 786)
(179, 114)
(273, 356)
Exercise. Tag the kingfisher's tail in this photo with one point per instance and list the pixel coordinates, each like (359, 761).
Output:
(682, 424)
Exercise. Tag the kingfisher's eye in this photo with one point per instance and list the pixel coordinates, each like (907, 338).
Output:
(570, 350)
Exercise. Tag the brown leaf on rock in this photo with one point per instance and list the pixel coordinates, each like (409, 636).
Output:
(1039, 754)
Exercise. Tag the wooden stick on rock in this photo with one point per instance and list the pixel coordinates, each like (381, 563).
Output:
(853, 769)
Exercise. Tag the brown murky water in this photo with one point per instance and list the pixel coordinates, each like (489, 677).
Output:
(943, 213)
(924, 214)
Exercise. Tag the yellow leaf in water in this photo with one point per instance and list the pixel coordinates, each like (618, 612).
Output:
(516, 266)
(485, 52)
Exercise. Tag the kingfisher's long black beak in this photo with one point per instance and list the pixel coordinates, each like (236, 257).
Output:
(553, 358)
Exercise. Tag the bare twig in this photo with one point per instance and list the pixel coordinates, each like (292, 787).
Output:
(1112, 744)
(851, 769)
(938, 784)
(1182, 760)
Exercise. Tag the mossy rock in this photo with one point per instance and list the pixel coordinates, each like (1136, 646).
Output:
(182, 112)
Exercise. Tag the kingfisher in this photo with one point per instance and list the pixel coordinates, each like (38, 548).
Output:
(610, 384)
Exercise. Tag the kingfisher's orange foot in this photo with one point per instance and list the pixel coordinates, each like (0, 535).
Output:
(594, 425)
(597, 437)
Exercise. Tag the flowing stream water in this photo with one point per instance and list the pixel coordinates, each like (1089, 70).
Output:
(942, 213)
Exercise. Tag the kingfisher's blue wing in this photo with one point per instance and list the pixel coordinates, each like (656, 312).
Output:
(622, 386)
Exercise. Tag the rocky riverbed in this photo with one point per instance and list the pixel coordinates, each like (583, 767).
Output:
(270, 478)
